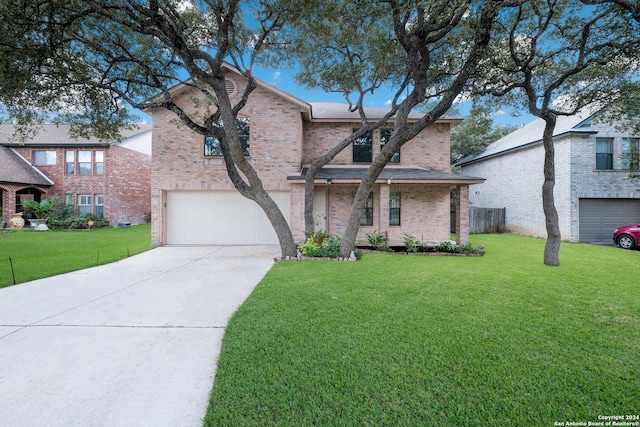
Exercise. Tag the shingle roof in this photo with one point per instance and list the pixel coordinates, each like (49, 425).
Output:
(16, 169)
(58, 135)
(531, 134)
(395, 174)
(340, 112)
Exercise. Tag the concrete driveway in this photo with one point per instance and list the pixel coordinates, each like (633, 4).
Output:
(134, 343)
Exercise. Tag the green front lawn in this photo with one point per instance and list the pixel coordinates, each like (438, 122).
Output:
(499, 340)
(38, 254)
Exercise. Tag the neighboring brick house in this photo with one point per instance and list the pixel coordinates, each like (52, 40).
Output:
(593, 194)
(111, 180)
(194, 202)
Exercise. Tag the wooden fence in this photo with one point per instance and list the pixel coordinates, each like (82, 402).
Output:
(487, 220)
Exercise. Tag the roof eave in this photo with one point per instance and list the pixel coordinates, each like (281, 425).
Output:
(332, 181)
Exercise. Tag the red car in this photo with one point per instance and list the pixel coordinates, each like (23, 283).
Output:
(627, 236)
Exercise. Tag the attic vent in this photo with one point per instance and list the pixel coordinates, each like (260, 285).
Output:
(230, 86)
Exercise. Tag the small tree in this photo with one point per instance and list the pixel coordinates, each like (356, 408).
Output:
(475, 133)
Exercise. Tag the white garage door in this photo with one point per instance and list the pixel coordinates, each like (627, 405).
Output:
(599, 217)
(220, 218)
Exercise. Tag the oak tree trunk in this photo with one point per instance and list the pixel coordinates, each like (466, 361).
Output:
(552, 247)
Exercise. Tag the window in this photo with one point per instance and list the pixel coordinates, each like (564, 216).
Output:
(84, 204)
(99, 161)
(84, 162)
(385, 136)
(363, 149)
(212, 145)
(604, 153)
(394, 208)
(367, 213)
(631, 153)
(70, 162)
(44, 157)
(99, 204)
(88, 162)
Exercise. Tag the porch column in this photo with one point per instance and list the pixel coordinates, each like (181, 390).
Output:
(462, 215)
(383, 222)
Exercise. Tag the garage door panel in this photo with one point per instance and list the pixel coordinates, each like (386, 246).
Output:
(220, 218)
(599, 217)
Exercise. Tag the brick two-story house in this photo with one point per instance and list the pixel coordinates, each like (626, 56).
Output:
(111, 180)
(194, 202)
(593, 194)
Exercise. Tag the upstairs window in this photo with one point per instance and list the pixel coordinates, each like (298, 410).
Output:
(363, 148)
(84, 162)
(385, 136)
(70, 162)
(631, 153)
(604, 153)
(99, 162)
(212, 145)
(44, 157)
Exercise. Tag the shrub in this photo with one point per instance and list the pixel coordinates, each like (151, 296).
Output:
(378, 241)
(321, 245)
(411, 243)
(76, 222)
(445, 247)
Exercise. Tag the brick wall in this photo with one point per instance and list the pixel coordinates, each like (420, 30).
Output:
(424, 211)
(180, 163)
(430, 149)
(128, 197)
(277, 132)
(515, 181)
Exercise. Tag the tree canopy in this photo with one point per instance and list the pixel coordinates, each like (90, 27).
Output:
(475, 133)
(87, 62)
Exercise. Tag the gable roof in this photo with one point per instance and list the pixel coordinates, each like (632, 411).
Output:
(531, 134)
(53, 135)
(16, 169)
(410, 175)
(337, 112)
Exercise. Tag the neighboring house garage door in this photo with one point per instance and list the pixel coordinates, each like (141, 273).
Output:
(599, 217)
(219, 218)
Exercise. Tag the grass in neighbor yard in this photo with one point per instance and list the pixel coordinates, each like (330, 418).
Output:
(38, 254)
(436, 341)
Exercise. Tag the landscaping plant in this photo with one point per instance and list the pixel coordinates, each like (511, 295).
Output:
(321, 245)
(411, 244)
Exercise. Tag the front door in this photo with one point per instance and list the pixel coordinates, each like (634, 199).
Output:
(320, 210)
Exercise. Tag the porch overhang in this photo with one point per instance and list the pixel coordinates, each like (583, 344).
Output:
(389, 175)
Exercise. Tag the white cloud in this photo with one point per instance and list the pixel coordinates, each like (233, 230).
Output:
(276, 76)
